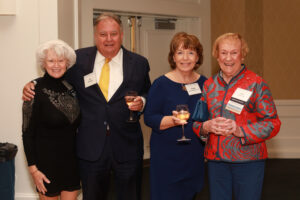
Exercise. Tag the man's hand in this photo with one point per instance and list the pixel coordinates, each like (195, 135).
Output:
(28, 92)
(137, 104)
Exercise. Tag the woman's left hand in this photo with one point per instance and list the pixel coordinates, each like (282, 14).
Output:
(223, 126)
(231, 127)
(39, 178)
(176, 120)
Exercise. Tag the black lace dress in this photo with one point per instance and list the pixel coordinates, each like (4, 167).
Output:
(50, 123)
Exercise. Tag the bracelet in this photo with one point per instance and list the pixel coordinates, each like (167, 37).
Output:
(203, 136)
(34, 82)
(202, 132)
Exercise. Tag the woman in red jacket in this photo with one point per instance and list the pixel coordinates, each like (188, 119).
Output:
(242, 115)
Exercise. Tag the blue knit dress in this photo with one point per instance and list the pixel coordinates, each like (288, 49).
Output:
(176, 169)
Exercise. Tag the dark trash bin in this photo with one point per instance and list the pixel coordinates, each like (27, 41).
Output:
(8, 152)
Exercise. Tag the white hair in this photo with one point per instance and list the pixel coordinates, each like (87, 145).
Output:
(60, 48)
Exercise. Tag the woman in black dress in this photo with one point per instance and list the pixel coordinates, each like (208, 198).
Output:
(50, 123)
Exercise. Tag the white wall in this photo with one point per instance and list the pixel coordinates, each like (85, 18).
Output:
(7, 7)
(35, 21)
(66, 21)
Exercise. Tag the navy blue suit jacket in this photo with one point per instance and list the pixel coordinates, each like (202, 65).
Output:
(126, 138)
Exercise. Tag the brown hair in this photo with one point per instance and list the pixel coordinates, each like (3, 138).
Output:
(231, 36)
(188, 42)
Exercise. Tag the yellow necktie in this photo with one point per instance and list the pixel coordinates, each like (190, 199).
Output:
(104, 78)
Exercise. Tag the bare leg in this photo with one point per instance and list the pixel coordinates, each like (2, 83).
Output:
(43, 197)
(67, 195)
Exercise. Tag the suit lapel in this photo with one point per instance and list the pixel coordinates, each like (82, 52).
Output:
(127, 67)
(91, 56)
(89, 68)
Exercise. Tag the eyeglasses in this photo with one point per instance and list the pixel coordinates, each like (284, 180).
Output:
(60, 62)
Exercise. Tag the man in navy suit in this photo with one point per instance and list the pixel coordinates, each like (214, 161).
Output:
(106, 143)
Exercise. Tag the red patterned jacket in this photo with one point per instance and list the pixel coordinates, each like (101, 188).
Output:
(258, 120)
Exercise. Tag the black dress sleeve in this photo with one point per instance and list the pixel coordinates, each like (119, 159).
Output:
(29, 111)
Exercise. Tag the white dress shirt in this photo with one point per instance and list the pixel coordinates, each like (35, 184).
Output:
(115, 71)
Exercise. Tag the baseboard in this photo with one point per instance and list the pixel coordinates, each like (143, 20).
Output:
(26, 196)
(31, 196)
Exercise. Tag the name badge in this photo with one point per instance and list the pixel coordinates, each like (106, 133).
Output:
(193, 88)
(90, 79)
(238, 100)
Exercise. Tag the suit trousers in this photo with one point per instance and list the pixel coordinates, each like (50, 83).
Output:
(96, 176)
(244, 180)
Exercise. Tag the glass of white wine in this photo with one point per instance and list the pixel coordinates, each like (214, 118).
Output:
(129, 98)
(183, 114)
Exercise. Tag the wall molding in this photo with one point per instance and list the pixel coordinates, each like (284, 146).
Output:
(34, 196)
(286, 143)
(7, 7)
(26, 196)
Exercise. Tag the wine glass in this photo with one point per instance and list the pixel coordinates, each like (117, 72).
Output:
(129, 98)
(184, 115)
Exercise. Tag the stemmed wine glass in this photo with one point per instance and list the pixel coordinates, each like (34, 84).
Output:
(129, 98)
(184, 115)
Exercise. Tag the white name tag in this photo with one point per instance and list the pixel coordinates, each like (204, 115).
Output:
(90, 79)
(193, 88)
(238, 100)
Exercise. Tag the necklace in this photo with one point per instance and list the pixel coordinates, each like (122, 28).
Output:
(178, 78)
(183, 87)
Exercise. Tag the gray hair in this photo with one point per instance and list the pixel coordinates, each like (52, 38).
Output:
(60, 48)
(107, 15)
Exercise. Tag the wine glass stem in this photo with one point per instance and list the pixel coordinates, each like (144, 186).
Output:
(130, 116)
(183, 131)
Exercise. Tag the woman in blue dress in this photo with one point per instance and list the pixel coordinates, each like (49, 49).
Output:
(176, 167)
